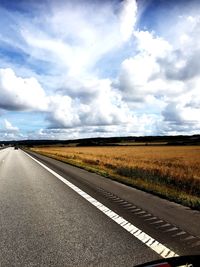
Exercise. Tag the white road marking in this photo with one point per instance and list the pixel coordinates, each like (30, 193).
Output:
(132, 229)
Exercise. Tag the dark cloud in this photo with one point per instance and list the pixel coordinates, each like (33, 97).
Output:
(190, 69)
(174, 115)
(171, 114)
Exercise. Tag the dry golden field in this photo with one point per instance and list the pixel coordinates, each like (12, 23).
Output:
(170, 171)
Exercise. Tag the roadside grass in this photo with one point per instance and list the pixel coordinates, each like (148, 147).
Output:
(172, 172)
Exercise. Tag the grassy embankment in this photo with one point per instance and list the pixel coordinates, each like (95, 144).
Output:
(171, 172)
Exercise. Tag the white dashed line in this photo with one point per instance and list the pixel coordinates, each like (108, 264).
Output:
(136, 232)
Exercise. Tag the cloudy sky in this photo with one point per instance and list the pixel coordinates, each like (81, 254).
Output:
(82, 68)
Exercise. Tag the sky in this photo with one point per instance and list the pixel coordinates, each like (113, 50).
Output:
(90, 68)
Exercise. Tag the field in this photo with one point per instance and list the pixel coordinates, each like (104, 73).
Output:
(172, 172)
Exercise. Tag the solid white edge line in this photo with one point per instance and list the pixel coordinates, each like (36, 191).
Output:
(157, 247)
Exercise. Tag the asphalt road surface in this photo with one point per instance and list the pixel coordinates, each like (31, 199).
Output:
(44, 222)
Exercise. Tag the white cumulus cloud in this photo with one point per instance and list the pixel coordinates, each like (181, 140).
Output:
(89, 68)
(9, 127)
(128, 17)
(17, 93)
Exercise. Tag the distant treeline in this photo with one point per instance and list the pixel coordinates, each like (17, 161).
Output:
(108, 141)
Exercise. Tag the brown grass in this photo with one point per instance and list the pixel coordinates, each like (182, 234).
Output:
(169, 171)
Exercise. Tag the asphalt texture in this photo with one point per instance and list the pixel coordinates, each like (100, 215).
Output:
(45, 223)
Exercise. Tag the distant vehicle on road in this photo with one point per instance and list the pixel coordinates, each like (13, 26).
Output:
(16, 147)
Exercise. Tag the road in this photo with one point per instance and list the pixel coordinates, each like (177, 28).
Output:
(44, 222)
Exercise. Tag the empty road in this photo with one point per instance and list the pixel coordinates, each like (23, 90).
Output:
(46, 222)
